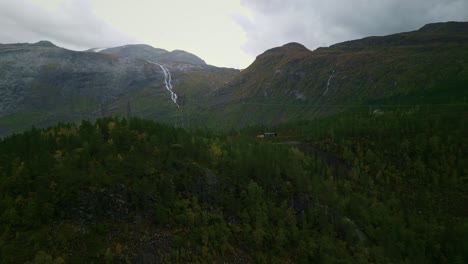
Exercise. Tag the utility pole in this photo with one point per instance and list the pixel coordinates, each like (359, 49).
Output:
(129, 110)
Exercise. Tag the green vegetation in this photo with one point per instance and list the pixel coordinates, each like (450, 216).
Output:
(22, 121)
(382, 179)
(353, 73)
(356, 188)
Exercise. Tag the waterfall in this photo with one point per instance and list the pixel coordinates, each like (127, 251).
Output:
(167, 81)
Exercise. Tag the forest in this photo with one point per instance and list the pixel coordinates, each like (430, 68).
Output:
(387, 186)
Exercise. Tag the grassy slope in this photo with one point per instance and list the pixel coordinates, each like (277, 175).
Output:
(363, 70)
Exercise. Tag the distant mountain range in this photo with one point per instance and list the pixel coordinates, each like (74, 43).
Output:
(41, 83)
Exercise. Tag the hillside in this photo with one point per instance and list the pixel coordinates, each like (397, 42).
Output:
(291, 82)
(355, 188)
(41, 84)
(369, 164)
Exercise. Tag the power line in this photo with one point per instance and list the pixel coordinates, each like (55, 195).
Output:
(337, 105)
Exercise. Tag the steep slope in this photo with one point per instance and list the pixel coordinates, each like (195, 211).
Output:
(41, 84)
(292, 82)
(136, 191)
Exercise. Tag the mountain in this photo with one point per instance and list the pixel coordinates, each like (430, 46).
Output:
(379, 178)
(146, 52)
(292, 82)
(41, 84)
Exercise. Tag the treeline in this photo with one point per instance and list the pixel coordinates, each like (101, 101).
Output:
(119, 190)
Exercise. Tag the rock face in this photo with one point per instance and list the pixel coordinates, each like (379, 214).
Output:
(42, 78)
(36, 76)
(41, 84)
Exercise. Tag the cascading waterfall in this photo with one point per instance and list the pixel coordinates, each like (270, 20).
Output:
(328, 82)
(167, 82)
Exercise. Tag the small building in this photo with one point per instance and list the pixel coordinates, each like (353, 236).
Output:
(267, 134)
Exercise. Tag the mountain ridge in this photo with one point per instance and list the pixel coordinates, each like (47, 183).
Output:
(284, 83)
(428, 34)
(292, 82)
(147, 52)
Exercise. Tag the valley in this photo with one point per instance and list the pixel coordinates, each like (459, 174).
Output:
(135, 154)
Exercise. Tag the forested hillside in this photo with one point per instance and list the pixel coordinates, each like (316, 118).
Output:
(387, 186)
(290, 83)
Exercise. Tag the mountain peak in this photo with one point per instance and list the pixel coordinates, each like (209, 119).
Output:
(131, 49)
(147, 52)
(295, 45)
(292, 47)
(45, 43)
(184, 56)
(445, 27)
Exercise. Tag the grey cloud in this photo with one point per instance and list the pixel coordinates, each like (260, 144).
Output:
(316, 23)
(73, 25)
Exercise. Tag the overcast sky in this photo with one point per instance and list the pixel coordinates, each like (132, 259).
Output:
(222, 32)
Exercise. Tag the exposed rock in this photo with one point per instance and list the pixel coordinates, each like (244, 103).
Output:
(146, 52)
(42, 84)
